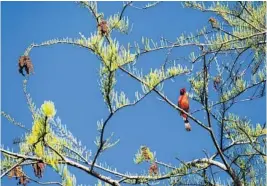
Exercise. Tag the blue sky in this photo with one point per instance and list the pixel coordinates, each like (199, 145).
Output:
(68, 76)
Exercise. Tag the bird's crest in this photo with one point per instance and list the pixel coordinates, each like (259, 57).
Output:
(182, 91)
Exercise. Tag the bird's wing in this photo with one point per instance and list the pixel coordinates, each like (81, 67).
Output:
(179, 101)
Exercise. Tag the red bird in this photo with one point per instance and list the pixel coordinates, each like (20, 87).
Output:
(183, 103)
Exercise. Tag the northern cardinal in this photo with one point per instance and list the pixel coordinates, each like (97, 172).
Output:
(183, 103)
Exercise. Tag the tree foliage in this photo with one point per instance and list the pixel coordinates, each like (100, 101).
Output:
(237, 29)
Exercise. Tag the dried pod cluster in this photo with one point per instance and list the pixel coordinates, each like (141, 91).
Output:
(216, 82)
(103, 27)
(145, 153)
(38, 169)
(18, 173)
(213, 22)
(153, 169)
(148, 156)
(25, 63)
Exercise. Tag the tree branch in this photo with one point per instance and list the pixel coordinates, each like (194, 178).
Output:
(68, 162)
(101, 140)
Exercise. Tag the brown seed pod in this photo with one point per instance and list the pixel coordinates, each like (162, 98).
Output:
(213, 22)
(216, 82)
(21, 62)
(25, 62)
(153, 169)
(145, 153)
(103, 27)
(29, 66)
(16, 172)
(38, 169)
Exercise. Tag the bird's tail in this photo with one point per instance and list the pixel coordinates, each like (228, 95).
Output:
(187, 124)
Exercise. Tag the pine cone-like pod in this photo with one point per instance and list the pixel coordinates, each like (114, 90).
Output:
(21, 62)
(213, 22)
(153, 169)
(216, 82)
(103, 27)
(16, 172)
(145, 153)
(25, 62)
(38, 169)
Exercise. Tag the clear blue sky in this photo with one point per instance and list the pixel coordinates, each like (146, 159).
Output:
(68, 76)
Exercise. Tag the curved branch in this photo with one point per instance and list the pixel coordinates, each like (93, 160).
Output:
(44, 183)
(68, 162)
(101, 140)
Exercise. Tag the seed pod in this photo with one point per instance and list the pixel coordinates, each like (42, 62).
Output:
(38, 169)
(103, 28)
(216, 82)
(153, 169)
(16, 172)
(146, 153)
(213, 22)
(29, 66)
(25, 62)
